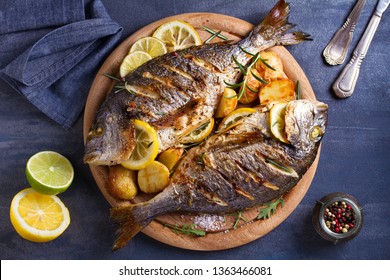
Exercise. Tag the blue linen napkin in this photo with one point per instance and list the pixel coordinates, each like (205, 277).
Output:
(50, 51)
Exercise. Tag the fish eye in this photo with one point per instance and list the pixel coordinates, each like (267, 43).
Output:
(315, 133)
(98, 130)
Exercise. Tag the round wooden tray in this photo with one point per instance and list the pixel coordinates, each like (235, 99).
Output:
(225, 236)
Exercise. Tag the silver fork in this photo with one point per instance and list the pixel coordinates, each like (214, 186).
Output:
(336, 51)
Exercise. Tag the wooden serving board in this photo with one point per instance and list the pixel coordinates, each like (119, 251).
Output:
(224, 236)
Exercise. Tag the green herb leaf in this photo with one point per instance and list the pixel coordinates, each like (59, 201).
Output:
(245, 51)
(112, 77)
(239, 218)
(234, 86)
(240, 66)
(186, 229)
(258, 78)
(266, 64)
(278, 165)
(213, 32)
(298, 90)
(269, 209)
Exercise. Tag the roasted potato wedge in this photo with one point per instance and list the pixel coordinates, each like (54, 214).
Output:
(227, 104)
(170, 157)
(122, 182)
(272, 59)
(277, 90)
(153, 178)
(251, 87)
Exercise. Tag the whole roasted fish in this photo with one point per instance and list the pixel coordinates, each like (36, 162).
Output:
(177, 92)
(235, 170)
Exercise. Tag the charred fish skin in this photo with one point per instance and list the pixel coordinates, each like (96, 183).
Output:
(235, 170)
(178, 91)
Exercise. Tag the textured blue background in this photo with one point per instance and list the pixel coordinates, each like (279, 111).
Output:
(355, 154)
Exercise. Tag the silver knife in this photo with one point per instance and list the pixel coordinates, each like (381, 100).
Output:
(336, 51)
(345, 83)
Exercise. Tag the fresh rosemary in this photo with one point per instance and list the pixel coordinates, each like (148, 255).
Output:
(112, 77)
(123, 87)
(269, 209)
(278, 165)
(298, 90)
(244, 71)
(186, 229)
(214, 34)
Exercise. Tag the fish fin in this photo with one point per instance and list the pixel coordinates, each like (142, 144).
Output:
(131, 221)
(275, 26)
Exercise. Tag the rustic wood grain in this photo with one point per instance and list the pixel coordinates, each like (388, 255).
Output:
(235, 29)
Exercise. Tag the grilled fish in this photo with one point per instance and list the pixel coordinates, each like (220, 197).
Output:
(235, 170)
(178, 91)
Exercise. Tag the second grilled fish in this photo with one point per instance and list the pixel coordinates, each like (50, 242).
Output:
(178, 91)
(235, 170)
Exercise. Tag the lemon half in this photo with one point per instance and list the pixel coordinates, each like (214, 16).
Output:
(38, 217)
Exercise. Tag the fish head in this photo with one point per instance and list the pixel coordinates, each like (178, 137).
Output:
(111, 138)
(305, 123)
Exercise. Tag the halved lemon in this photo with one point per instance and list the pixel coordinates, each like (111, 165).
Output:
(277, 123)
(38, 217)
(233, 118)
(153, 46)
(177, 35)
(146, 148)
(132, 61)
(198, 134)
(49, 172)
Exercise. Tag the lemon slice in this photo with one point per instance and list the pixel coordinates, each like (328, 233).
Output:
(233, 118)
(277, 123)
(177, 35)
(146, 148)
(198, 134)
(38, 217)
(49, 172)
(132, 61)
(153, 46)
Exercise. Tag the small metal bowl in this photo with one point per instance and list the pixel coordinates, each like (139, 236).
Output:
(319, 221)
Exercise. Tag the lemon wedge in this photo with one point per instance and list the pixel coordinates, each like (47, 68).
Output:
(277, 123)
(233, 118)
(146, 148)
(153, 46)
(132, 61)
(198, 134)
(38, 217)
(177, 35)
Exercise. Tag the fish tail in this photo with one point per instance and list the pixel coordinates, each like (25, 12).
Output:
(131, 219)
(275, 26)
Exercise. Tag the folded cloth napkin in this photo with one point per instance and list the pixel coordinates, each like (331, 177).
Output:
(51, 50)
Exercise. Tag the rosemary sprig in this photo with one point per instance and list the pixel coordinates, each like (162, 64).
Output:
(269, 209)
(186, 229)
(213, 34)
(298, 90)
(112, 77)
(123, 87)
(266, 64)
(258, 78)
(240, 217)
(278, 165)
(199, 159)
(240, 66)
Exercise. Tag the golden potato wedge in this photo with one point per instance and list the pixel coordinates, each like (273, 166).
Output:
(272, 59)
(170, 157)
(227, 104)
(251, 87)
(153, 178)
(122, 182)
(277, 90)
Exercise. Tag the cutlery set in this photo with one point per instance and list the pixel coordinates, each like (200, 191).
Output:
(336, 50)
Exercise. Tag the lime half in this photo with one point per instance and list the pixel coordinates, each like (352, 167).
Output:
(49, 172)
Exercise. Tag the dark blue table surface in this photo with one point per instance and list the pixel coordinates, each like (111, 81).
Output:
(355, 155)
